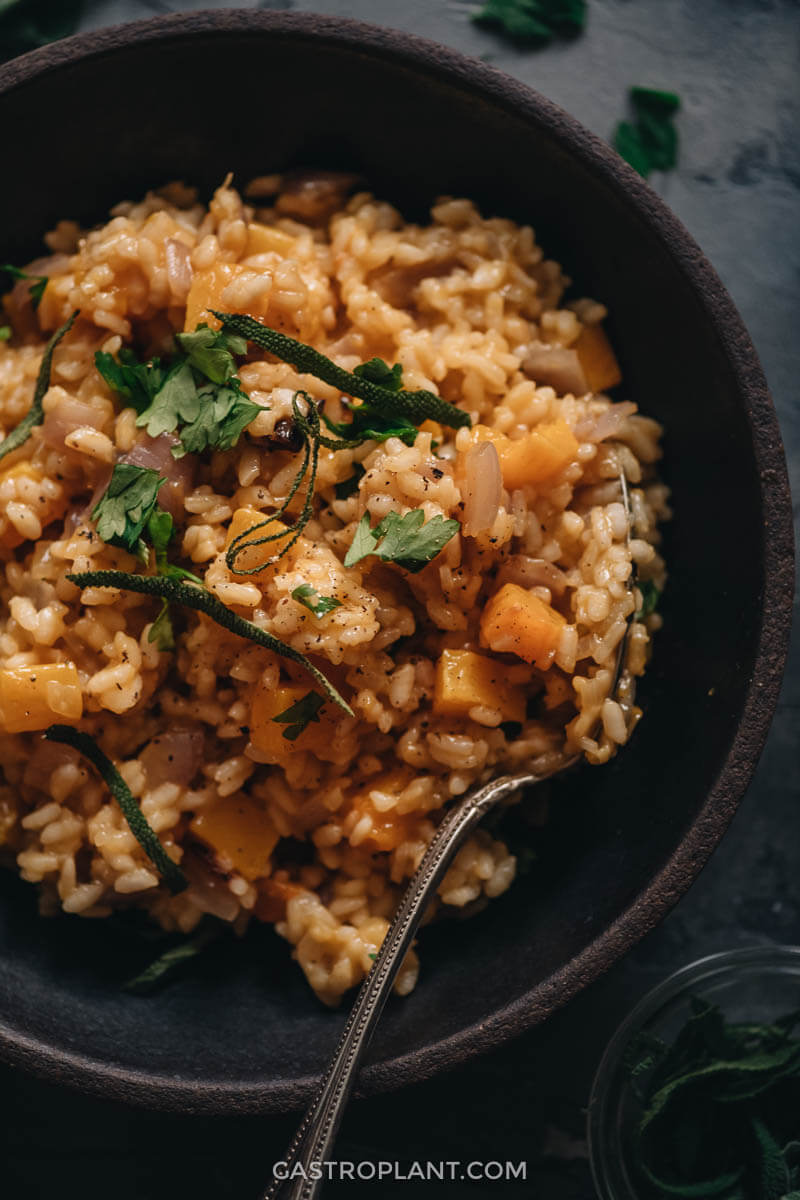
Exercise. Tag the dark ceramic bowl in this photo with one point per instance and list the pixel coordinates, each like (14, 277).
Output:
(103, 116)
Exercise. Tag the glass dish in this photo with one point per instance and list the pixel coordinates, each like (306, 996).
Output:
(760, 983)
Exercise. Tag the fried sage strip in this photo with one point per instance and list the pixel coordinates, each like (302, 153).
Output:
(176, 592)
(35, 414)
(137, 822)
(418, 406)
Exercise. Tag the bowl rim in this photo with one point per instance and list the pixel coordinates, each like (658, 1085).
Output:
(649, 906)
(603, 1157)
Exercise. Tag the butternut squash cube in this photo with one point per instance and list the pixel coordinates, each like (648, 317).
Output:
(533, 459)
(206, 292)
(388, 828)
(34, 697)
(266, 733)
(239, 832)
(466, 680)
(254, 556)
(597, 358)
(273, 896)
(517, 621)
(265, 239)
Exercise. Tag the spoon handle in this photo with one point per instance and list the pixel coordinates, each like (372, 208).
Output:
(315, 1136)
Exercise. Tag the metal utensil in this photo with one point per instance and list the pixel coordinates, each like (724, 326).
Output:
(301, 1176)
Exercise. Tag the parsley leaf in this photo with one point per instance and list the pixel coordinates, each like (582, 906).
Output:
(651, 143)
(135, 381)
(408, 541)
(349, 487)
(310, 597)
(160, 530)
(299, 715)
(370, 424)
(127, 504)
(222, 416)
(5, 333)
(650, 598)
(211, 352)
(534, 22)
(38, 282)
(161, 631)
(377, 371)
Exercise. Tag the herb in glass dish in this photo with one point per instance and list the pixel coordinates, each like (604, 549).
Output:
(720, 1109)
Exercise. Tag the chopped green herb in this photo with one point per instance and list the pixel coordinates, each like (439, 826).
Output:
(161, 631)
(650, 598)
(5, 333)
(310, 597)
(135, 381)
(368, 424)
(416, 406)
(126, 506)
(651, 142)
(380, 372)
(211, 352)
(224, 414)
(372, 955)
(177, 592)
(349, 487)
(137, 822)
(408, 541)
(299, 715)
(534, 22)
(35, 414)
(38, 282)
(717, 1106)
(168, 964)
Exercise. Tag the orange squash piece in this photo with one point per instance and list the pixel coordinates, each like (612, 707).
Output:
(273, 896)
(265, 239)
(517, 621)
(206, 292)
(257, 556)
(34, 697)
(533, 459)
(597, 358)
(239, 832)
(466, 680)
(266, 733)
(389, 829)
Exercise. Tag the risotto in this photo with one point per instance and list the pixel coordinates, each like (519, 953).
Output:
(283, 582)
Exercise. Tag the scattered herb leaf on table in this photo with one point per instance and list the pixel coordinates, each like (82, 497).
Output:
(535, 22)
(650, 143)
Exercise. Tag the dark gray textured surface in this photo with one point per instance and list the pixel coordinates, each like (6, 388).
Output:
(735, 64)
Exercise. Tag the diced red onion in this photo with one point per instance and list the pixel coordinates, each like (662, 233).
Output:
(156, 453)
(48, 757)
(174, 756)
(607, 424)
(555, 367)
(482, 488)
(208, 889)
(67, 416)
(532, 572)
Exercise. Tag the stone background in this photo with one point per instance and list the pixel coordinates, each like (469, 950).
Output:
(735, 65)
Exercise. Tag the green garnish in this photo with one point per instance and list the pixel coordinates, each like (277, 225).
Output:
(651, 143)
(650, 598)
(175, 591)
(349, 487)
(417, 406)
(35, 414)
(200, 395)
(300, 714)
(137, 822)
(5, 333)
(128, 502)
(534, 22)
(135, 381)
(408, 541)
(38, 282)
(310, 597)
(161, 631)
(720, 1108)
(169, 963)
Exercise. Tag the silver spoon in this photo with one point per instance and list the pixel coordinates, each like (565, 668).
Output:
(313, 1142)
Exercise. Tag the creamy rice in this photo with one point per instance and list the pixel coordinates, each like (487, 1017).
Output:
(319, 835)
